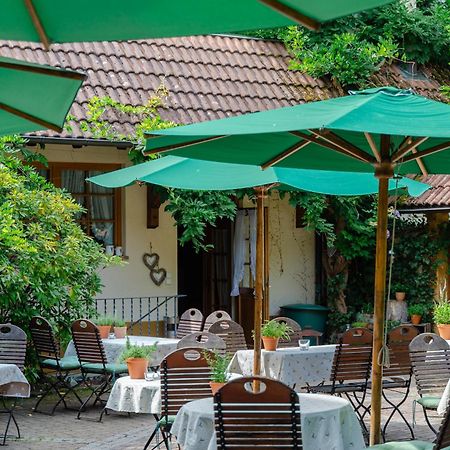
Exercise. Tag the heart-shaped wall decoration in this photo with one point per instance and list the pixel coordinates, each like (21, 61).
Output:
(158, 276)
(151, 260)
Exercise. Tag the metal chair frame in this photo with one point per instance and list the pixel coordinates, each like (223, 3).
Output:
(191, 321)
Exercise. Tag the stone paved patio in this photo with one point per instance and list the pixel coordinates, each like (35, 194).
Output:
(63, 431)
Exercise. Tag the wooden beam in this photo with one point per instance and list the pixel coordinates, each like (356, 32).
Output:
(50, 71)
(37, 24)
(168, 148)
(292, 14)
(29, 117)
(427, 152)
(421, 164)
(373, 146)
(407, 147)
(290, 151)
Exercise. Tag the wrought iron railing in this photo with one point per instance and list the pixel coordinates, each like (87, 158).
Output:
(155, 315)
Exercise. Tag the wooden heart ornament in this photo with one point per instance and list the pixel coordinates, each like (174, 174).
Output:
(158, 276)
(151, 260)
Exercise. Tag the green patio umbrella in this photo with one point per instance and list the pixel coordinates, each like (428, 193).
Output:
(50, 21)
(35, 97)
(382, 129)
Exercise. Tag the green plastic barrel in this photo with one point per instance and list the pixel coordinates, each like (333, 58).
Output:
(307, 316)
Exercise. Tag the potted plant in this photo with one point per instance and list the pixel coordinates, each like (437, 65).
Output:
(441, 317)
(400, 291)
(360, 324)
(218, 363)
(272, 331)
(120, 328)
(416, 312)
(137, 358)
(104, 324)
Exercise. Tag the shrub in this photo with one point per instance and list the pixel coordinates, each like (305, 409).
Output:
(272, 328)
(441, 312)
(218, 364)
(416, 310)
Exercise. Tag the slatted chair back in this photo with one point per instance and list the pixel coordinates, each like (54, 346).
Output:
(87, 341)
(353, 356)
(13, 345)
(398, 340)
(185, 376)
(214, 317)
(44, 341)
(267, 418)
(191, 321)
(232, 333)
(430, 359)
(296, 335)
(443, 437)
(203, 339)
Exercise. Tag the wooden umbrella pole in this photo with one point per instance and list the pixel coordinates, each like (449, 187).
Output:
(383, 173)
(261, 192)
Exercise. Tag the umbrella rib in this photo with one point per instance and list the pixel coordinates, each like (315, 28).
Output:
(409, 145)
(283, 155)
(37, 24)
(427, 152)
(292, 14)
(50, 71)
(168, 148)
(373, 146)
(31, 118)
(421, 164)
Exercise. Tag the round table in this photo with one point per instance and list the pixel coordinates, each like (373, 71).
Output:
(328, 423)
(135, 396)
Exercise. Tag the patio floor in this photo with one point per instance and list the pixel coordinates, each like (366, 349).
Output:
(63, 431)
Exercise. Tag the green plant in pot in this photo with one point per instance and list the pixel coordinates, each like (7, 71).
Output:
(137, 358)
(416, 312)
(441, 317)
(120, 328)
(272, 331)
(104, 324)
(218, 363)
(400, 291)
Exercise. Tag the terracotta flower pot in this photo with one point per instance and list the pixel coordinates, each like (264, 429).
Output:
(137, 368)
(104, 331)
(444, 330)
(270, 343)
(120, 332)
(215, 386)
(416, 319)
(400, 296)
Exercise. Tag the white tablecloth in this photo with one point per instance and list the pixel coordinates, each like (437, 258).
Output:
(328, 423)
(114, 347)
(444, 400)
(292, 366)
(13, 382)
(136, 396)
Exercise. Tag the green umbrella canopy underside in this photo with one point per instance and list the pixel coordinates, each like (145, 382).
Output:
(184, 173)
(35, 97)
(300, 136)
(100, 20)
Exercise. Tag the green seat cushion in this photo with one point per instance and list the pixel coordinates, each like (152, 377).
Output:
(429, 402)
(66, 363)
(407, 445)
(166, 420)
(110, 368)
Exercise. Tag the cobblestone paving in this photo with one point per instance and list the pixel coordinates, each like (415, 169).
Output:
(62, 431)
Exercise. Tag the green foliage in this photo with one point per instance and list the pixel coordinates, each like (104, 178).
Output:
(417, 310)
(398, 287)
(137, 351)
(272, 328)
(218, 363)
(441, 312)
(359, 324)
(104, 321)
(119, 323)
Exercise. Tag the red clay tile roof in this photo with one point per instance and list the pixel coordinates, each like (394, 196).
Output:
(208, 77)
(438, 196)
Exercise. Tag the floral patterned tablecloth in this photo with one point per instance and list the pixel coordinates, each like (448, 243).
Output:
(292, 366)
(13, 382)
(328, 423)
(114, 347)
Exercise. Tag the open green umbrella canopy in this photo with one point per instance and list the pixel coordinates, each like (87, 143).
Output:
(185, 173)
(339, 134)
(35, 97)
(51, 21)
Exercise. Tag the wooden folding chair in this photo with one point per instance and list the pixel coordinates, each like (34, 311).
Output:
(215, 317)
(13, 347)
(203, 339)
(296, 335)
(185, 376)
(430, 359)
(93, 362)
(232, 333)
(54, 369)
(191, 321)
(248, 420)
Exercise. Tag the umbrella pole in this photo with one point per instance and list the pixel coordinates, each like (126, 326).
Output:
(383, 173)
(261, 192)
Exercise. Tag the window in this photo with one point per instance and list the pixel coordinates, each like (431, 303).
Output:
(102, 216)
